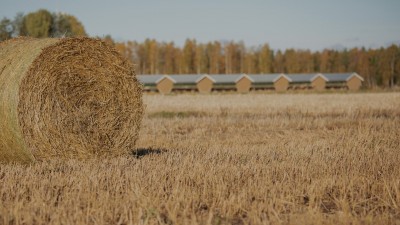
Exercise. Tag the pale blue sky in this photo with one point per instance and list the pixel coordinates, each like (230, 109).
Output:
(301, 24)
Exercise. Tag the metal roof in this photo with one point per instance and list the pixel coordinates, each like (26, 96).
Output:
(340, 77)
(304, 77)
(255, 78)
(150, 79)
(266, 78)
(225, 79)
(186, 78)
(301, 78)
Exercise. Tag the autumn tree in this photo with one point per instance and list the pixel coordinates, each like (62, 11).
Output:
(373, 62)
(66, 25)
(397, 68)
(324, 61)
(109, 39)
(265, 59)
(344, 61)
(291, 60)
(213, 51)
(41, 24)
(169, 59)
(251, 62)
(228, 53)
(278, 63)
(201, 59)
(37, 24)
(178, 61)
(392, 54)
(189, 56)
(6, 29)
(234, 58)
(306, 60)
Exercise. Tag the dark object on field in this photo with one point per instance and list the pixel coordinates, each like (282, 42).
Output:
(141, 152)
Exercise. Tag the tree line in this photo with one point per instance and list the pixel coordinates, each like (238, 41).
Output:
(40, 24)
(379, 67)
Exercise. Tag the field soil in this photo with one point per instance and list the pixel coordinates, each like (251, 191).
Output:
(229, 159)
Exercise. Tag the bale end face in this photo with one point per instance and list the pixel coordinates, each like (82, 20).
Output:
(77, 98)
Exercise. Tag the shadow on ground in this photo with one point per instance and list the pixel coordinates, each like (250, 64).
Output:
(141, 152)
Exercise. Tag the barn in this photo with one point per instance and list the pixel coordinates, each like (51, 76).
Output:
(192, 82)
(235, 82)
(243, 83)
(308, 81)
(184, 82)
(160, 83)
(205, 84)
(350, 81)
(274, 81)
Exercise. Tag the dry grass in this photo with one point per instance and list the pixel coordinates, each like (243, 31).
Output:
(68, 98)
(229, 159)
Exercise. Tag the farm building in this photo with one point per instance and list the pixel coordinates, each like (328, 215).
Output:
(238, 82)
(243, 83)
(205, 84)
(160, 83)
(351, 81)
(277, 81)
(308, 81)
(190, 82)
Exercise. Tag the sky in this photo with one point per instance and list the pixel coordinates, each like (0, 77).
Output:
(283, 24)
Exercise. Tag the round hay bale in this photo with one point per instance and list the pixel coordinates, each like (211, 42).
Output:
(66, 98)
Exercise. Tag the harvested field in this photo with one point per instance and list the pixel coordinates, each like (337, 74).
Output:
(229, 159)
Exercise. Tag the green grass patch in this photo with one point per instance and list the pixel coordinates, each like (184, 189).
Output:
(180, 114)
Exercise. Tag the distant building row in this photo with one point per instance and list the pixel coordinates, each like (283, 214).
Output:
(245, 82)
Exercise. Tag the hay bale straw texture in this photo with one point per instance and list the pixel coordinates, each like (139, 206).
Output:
(66, 98)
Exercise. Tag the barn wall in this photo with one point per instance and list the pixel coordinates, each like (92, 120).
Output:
(318, 84)
(165, 86)
(205, 85)
(281, 84)
(354, 83)
(243, 85)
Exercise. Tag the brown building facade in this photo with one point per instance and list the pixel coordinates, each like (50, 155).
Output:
(205, 84)
(165, 85)
(281, 83)
(243, 84)
(318, 82)
(354, 82)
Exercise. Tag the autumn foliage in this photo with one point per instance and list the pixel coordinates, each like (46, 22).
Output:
(379, 67)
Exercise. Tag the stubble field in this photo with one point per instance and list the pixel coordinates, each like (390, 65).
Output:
(229, 159)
